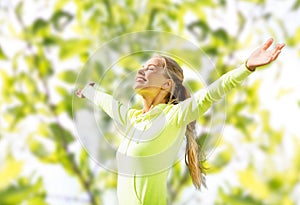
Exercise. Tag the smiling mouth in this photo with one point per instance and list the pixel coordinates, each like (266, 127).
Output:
(140, 79)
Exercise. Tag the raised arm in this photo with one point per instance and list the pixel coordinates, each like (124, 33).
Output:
(261, 56)
(192, 108)
(116, 110)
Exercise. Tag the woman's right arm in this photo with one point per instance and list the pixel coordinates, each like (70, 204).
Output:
(116, 110)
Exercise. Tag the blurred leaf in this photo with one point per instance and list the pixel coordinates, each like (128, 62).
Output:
(60, 4)
(292, 176)
(73, 47)
(19, 10)
(38, 148)
(199, 28)
(257, 1)
(28, 83)
(237, 197)
(37, 201)
(67, 160)
(110, 182)
(16, 194)
(202, 139)
(40, 63)
(210, 50)
(254, 185)
(68, 76)
(194, 85)
(51, 158)
(65, 105)
(220, 160)
(43, 130)
(17, 113)
(84, 164)
(9, 171)
(286, 200)
(221, 35)
(51, 40)
(7, 86)
(61, 19)
(241, 19)
(296, 5)
(60, 134)
(276, 183)
(222, 2)
(44, 67)
(2, 54)
(274, 136)
(39, 25)
(62, 91)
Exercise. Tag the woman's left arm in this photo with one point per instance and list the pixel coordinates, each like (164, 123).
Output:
(260, 57)
(203, 99)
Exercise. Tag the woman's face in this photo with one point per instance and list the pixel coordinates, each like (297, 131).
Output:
(151, 77)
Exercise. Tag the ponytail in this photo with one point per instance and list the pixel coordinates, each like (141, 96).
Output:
(192, 153)
(193, 149)
(192, 157)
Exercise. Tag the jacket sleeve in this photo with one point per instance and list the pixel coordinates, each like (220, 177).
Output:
(115, 109)
(194, 107)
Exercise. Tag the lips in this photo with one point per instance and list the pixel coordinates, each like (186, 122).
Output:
(140, 78)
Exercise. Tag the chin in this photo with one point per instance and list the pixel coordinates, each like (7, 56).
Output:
(138, 86)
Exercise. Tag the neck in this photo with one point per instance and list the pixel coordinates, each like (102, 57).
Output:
(150, 101)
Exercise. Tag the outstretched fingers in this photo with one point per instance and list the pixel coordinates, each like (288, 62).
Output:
(280, 46)
(277, 51)
(264, 55)
(267, 44)
(275, 55)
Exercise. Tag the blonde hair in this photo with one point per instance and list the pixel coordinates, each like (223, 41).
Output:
(193, 150)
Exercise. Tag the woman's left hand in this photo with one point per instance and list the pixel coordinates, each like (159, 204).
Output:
(263, 56)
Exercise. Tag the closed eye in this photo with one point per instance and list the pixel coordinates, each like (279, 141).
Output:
(151, 68)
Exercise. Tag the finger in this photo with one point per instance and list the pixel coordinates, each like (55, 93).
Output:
(275, 56)
(267, 44)
(277, 48)
(280, 46)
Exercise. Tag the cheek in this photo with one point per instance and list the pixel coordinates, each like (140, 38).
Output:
(155, 80)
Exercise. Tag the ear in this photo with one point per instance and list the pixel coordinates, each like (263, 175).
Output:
(167, 85)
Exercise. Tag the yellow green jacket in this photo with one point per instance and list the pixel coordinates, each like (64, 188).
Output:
(151, 141)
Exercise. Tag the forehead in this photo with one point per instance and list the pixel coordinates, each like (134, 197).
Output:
(155, 61)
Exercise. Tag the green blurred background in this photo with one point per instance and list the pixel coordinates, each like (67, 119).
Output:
(43, 46)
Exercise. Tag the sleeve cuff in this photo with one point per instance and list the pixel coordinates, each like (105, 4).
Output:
(242, 72)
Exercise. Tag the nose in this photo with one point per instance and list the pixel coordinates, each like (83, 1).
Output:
(141, 71)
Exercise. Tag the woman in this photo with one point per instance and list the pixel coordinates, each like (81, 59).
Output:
(153, 135)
